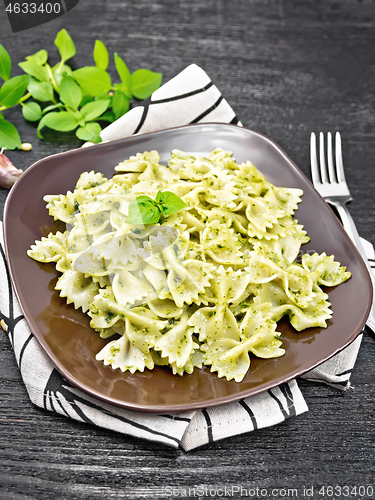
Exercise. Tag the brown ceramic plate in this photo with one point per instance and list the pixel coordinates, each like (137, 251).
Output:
(64, 332)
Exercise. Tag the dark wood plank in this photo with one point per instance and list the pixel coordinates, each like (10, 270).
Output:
(288, 68)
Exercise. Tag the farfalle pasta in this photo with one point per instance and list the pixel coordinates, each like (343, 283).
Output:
(204, 286)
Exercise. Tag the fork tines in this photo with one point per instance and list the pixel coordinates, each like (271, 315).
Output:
(322, 174)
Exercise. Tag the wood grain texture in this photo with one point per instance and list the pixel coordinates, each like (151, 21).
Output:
(288, 67)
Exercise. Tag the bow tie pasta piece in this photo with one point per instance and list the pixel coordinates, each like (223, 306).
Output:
(235, 361)
(88, 180)
(177, 344)
(139, 162)
(166, 308)
(160, 175)
(194, 197)
(218, 322)
(154, 178)
(120, 249)
(78, 241)
(195, 250)
(280, 228)
(295, 280)
(249, 181)
(92, 224)
(195, 360)
(122, 354)
(57, 248)
(108, 252)
(117, 219)
(77, 289)
(223, 159)
(192, 221)
(89, 185)
(231, 367)
(286, 226)
(205, 285)
(128, 288)
(106, 202)
(188, 167)
(61, 207)
(214, 323)
(315, 314)
(90, 266)
(51, 248)
(230, 358)
(283, 251)
(220, 188)
(126, 181)
(231, 219)
(189, 289)
(88, 194)
(221, 244)
(324, 269)
(229, 285)
(158, 279)
(262, 214)
(143, 327)
(287, 199)
(132, 351)
(104, 310)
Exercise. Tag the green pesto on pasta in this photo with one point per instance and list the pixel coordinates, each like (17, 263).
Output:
(204, 286)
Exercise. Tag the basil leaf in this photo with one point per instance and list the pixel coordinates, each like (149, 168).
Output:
(59, 71)
(41, 91)
(51, 107)
(31, 111)
(124, 75)
(1, 117)
(65, 44)
(40, 57)
(144, 82)
(62, 121)
(143, 210)
(92, 80)
(107, 117)
(70, 93)
(120, 104)
(101, 56)
(13, 89)
(169, 203)
(94, 109)
(9, 137)
(90, 132)
(5, 63)
(85, 99)
(35, 70)
(79, 117)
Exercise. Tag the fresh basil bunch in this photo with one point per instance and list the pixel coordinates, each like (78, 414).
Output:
(62, 99)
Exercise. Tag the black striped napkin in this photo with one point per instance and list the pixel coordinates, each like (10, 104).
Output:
(190, 97)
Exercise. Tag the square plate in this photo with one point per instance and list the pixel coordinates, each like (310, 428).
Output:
(64, 332)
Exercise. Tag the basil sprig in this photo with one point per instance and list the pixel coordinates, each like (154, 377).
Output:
(145, 210)
(61, 99)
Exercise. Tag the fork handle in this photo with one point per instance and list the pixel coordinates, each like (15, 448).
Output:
(351, 229)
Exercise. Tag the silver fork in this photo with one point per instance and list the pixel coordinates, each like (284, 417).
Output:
(331, 184)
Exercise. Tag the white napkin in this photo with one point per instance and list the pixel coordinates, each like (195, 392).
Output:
(190, 97)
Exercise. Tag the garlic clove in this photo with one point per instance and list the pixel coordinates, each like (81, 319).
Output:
(8, 172)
